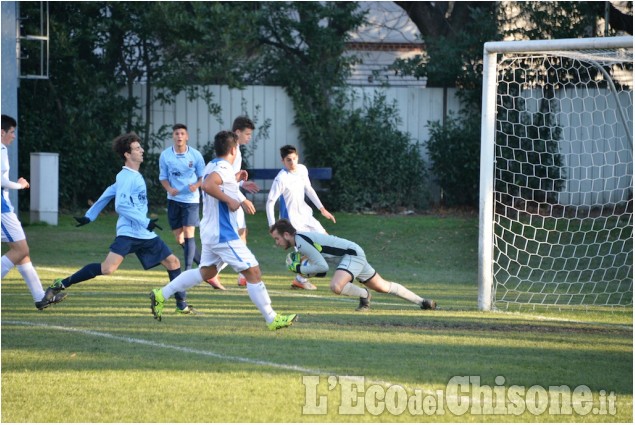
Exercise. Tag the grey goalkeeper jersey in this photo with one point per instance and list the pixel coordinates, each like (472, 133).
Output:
(322, 250)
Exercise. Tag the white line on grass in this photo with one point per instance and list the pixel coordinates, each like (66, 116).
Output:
(188, 350)
(149, 343)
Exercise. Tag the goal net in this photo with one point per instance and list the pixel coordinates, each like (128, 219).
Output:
(556, 188)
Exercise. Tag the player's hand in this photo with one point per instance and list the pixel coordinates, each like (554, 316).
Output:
(328, 215)
(82, 221)
(153, 224)
(242, 175)
(294, 260)
(249, 207)
(24, 183)
(250, 187)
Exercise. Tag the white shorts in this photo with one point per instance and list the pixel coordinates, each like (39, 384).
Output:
(235, 253)
(240, 218)
(357, 266)
(12, 228)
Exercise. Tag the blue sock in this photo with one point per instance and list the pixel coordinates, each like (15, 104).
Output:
(179, 296)
(189, 251)
(197, 254)
(87, 272)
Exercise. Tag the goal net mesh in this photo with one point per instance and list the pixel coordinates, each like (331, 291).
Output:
(563, 179)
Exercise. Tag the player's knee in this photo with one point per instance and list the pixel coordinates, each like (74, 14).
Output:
(336, 287)
(252, 274)
(172, 262)
(21, 250)
(208, 272)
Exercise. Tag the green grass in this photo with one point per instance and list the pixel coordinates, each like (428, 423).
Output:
(100, 357)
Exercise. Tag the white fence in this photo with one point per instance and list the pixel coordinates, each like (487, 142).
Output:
(416, 105)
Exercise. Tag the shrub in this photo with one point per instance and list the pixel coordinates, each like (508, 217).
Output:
(454, 149)
(375, 165)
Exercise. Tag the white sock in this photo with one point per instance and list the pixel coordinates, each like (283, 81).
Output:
(32, 280)
(351, 290)
(399, 290)
(301, 278)
(6, 265)
(260, 297)
(182, 282)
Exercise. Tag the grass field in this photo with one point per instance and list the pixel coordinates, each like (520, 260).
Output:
(100, 356)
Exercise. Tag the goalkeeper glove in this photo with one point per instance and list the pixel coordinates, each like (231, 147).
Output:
(153, 224)
(294, 260)
(82, 221)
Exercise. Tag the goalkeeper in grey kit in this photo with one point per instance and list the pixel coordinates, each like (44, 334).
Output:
(349, 260)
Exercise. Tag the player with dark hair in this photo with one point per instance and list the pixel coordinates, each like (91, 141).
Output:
(12, 231)
(181, 174)
(219, 236)
(134, 229)
(349, 260)
(243, 127)
(289, 188)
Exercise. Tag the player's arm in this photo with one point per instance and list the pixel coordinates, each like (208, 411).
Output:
(199, 166)
(313, 196)
(97, 207)
(168, 188)
(194, 186)
(4, 179)
(272, 197)
(316, 265)
(212, 186)
(20, 184)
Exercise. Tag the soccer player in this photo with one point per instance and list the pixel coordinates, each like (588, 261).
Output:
(290, 187)
(134, 229)
(12, 232)
(243, 127)
(350, 260)
(181, 174)
(219, 236)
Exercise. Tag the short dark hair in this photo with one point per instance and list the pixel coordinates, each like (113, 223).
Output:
(281, 226)
(242, 122)
(121, 144)
(286, 150)
(224, 141)
(179, 126)
(8, 122)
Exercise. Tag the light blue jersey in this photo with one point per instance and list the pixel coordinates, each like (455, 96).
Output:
(131, 203)
(104, 199)
(182, 170)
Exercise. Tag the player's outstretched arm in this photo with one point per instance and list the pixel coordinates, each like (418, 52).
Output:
(93, 212)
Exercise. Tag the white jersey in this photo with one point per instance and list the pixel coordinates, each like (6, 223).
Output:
(219, 222)
(290, 188)
(6, 183)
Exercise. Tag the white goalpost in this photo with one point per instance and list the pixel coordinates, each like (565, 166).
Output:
(556, 176)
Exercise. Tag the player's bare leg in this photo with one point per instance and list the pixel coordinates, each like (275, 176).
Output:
(242, 281)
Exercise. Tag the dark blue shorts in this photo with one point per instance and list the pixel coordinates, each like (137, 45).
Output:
(150, 252)
(181, 214)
